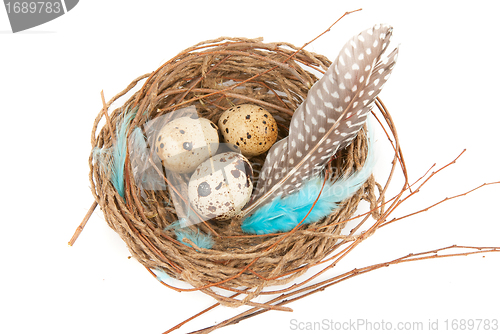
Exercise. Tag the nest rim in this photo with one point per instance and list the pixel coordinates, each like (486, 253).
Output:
(199, 76)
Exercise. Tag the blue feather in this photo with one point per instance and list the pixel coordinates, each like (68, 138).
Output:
(199, 239)
(283, 214)
(117, 164)
(162, 276)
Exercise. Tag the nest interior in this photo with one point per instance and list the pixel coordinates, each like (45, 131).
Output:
(213, 76)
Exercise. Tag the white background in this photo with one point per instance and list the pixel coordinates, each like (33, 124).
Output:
(443, 97)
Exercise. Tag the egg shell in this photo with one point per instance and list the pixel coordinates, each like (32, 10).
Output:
(221, 186)
(251, 128)
(185, 142)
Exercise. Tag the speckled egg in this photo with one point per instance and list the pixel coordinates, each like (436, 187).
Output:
(185, 142)
(250, 127)
(221, 186)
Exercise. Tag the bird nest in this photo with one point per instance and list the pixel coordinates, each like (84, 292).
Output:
(213, 76)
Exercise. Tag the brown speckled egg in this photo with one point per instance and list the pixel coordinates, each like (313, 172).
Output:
(250, 127)
(221, 186)
(185, 142)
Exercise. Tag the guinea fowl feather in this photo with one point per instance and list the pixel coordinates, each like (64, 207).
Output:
(330, 117)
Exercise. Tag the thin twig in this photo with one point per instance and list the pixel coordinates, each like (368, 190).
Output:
(321, 286)
(324, 32)
(437, 203)
(108, 120)
(80, 227)
(197, 315)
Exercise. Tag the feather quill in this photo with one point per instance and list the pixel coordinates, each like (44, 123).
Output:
(333, 112)
(283, 214)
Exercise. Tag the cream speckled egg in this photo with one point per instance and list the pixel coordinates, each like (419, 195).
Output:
(250, 127)
(221, 186)
(185, 142)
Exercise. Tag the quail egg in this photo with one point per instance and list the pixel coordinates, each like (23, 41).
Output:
(185, 142)
(221, 186)
(251, 128)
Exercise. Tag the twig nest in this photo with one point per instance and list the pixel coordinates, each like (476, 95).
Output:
(203, 77)
(221, 186)
(185, 142)
(251, 128)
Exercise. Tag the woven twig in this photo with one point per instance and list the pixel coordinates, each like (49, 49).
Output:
(213, 76)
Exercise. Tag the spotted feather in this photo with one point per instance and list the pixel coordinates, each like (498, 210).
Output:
(333, 112)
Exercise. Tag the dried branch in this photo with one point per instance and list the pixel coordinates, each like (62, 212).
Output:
(309, 290)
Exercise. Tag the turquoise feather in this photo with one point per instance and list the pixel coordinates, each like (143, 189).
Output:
(117, 164)
(199, 239)
(162, 276)
(283, 214)
(112, 160)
